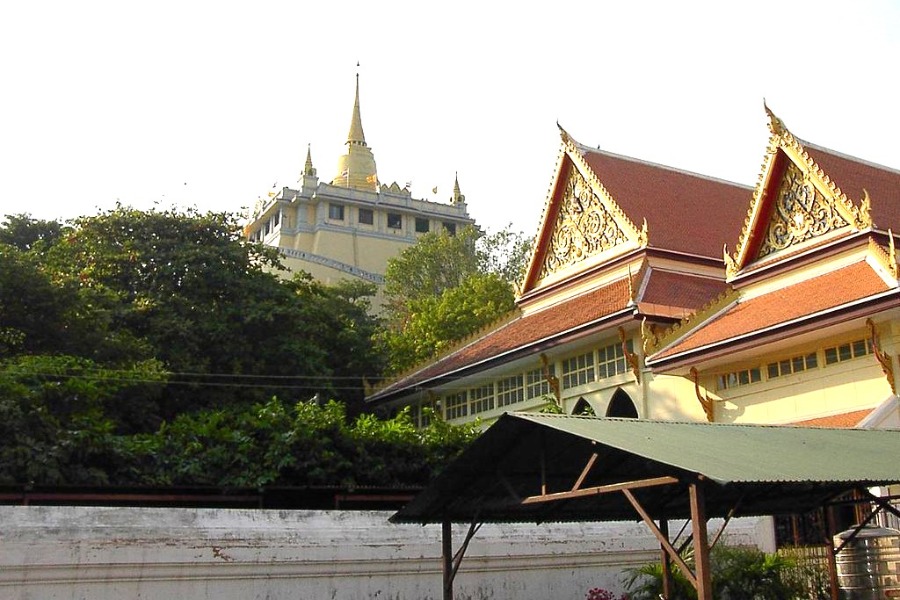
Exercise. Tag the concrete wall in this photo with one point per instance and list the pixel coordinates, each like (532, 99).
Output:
(75, 553)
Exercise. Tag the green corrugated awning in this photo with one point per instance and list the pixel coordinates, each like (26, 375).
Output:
(755, 469)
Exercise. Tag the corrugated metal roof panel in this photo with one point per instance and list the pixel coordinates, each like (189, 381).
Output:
(745, 453)
(759, 470)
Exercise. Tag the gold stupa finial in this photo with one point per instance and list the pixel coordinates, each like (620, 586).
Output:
(356, 168)
(356, 135)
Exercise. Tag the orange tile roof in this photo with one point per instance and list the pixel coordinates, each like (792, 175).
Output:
(853, 175)
(522, 332)
(845, 420)
(680, 289)
(803, 299)
(685, 212)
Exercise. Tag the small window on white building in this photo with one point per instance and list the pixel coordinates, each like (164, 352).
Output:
(456, 405)
(536, 384)
(482, 398)
(422, 225)
(578, 370)
(366, 216)
(336, 212)
(848, 351)
(395, 221)
(611, 359)
(510, 391)
(739, 378)
(795, 364)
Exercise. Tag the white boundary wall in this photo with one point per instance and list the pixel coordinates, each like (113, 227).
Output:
(99, 553)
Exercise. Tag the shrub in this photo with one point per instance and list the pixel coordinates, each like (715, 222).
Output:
(737, 574)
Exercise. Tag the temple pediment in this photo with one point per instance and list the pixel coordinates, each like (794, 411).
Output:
(582, 225)
(796, 205)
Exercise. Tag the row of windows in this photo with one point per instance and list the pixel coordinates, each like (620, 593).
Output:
(270, 225)
(610, 361)
(498, 394)
(795, 364)
(509, 391)
(366, 216)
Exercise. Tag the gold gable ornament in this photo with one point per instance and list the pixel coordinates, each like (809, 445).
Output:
(800, 212)
(584, 227)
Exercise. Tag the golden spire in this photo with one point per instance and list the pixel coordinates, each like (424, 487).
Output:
(308, 169)
(457, 198)
(356, 168)
(356, 135)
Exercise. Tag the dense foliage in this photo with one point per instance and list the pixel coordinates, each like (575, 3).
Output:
(445, 288)
(162, 348)
(737, 574)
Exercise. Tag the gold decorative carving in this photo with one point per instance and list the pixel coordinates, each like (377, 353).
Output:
(782, 142)
(648, 336)
(631, 357)
(800, 212)
(887, 258)
(892, 256)
(551, 379)
(884, 359)
(584, 227)
(679, 329)
(730, 264)
(864, 220)
(708, 404)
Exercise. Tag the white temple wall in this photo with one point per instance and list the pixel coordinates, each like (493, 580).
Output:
(98, 553)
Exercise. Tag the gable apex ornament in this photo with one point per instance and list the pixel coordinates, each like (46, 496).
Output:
(587, 221)
(802, 205)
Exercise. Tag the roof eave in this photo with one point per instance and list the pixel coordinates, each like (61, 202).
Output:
(774, 333)
(608, 321)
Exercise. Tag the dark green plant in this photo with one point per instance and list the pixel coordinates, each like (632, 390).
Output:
(737, 573)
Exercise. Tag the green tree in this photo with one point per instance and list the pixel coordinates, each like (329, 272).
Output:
(307, 444)
(26, 233)
(445, 288)
(206, 304)
(57, 417)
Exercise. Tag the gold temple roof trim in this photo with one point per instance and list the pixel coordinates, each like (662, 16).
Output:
(781, 139)
(448, 350)
(576, 152)
(654, 342)
(886, 260)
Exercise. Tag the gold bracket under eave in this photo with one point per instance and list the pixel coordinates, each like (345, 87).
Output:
(631, 357)
(884, 359)
(706, 402)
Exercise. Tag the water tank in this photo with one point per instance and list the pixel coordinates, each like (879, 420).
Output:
(868, 567)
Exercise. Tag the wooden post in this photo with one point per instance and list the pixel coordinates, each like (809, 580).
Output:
(701, 543)
(666, 562)
(447, 558)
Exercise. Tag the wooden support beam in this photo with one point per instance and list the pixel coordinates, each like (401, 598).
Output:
(447, 558)
(600, 489)
(666, 562)
(701, 542)
(663, 540)
(832, 560)
(585, 471)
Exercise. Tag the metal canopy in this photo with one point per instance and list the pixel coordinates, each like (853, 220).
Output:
(538, 467)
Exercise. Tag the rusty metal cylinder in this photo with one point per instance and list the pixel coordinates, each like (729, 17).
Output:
(868, 567)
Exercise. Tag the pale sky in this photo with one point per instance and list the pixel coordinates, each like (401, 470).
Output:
(208, 104)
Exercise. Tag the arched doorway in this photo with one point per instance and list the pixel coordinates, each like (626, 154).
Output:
(621, 406)
(583, 407)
